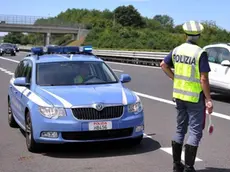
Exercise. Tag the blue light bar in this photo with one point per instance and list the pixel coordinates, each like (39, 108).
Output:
(37, 50)
(86, 49)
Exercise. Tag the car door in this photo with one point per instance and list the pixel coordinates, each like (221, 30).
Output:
(13, 91)
(16, 92)
(213, 63)
(23, 99)
(223, 72)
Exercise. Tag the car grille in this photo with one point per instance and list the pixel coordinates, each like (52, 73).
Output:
(93, 114)
(97, 135)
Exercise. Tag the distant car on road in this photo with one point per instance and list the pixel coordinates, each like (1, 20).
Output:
(219, 61)
(60, 98)
(6, 48)
(16, 47)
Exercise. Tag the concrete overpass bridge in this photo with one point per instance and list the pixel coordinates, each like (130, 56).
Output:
(30, 24)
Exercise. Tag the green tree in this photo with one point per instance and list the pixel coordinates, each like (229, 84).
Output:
(165, 20)
(13, 37)
(128, 16)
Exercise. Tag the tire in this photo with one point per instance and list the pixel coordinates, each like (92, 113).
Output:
(11, 121)
(32, 146)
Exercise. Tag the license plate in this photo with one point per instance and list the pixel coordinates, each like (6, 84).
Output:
(105, 125)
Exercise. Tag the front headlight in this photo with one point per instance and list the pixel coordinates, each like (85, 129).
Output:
(135, 108)
(52, 112)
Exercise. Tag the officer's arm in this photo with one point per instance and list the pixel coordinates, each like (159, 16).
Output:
(204, 70)
(166, 65)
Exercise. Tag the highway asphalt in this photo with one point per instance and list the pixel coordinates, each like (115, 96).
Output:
(153, 155)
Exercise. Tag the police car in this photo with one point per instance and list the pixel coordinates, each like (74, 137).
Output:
(46, 101)
(219, 61)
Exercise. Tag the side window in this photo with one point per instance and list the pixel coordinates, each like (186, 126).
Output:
(19, 70)
(28, 72)
(25, 64)
(223, 54)
(212, 54)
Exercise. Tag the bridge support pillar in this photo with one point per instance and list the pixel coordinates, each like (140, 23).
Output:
(74, 36)
(47, 39)
(79, 34)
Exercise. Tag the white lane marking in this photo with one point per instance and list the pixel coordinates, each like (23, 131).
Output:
(147, 96)
(117, 70)
(15, 61)
(172, 103)
(134, 65)
(6, 71)
(169, 151)
(124, 64)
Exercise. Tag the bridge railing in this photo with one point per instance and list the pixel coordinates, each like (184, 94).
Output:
(37, 21)
(133, 57)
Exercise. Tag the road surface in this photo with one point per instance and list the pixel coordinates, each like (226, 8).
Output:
(153, 155)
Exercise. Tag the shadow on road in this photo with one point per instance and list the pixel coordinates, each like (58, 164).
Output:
(211, 169)
(221, 98)
(100, 149)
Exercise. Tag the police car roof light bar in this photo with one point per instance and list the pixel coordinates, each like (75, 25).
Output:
(85, 50)
(37, 51)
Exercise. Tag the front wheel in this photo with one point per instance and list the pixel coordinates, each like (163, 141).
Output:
(32, 146)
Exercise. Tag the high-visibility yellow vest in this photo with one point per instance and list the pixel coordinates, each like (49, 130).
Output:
(78, 79)
(186, 85)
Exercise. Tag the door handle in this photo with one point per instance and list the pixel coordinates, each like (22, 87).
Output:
(215, 70)
(15, 92)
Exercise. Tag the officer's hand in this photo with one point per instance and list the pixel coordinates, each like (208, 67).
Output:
(209, 106)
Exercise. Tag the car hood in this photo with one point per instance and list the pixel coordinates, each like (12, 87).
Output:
(68, 96)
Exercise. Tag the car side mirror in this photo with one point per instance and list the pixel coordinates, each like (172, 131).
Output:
(124, 78)
(225, 63)
(21, 81)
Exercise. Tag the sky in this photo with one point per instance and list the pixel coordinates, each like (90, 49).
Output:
(180, 10)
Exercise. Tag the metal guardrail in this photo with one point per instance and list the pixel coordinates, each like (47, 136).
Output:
(133, 57)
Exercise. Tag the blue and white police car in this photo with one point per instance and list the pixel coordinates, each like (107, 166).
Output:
(62, 97)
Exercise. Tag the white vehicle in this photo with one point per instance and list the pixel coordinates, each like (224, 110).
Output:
(219, 61)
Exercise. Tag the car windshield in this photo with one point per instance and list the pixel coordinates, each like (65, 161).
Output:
(74, 73)
(6, 45)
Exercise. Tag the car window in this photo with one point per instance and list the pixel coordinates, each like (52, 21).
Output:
(28, 71)
(21, 70)
(7, 45)
(223, 54)
(74, 73)
(212, 54)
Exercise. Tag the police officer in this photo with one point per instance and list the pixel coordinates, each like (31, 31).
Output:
(84, 74)
(191, 93)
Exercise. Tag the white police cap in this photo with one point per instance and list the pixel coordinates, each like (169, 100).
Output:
(193, 28)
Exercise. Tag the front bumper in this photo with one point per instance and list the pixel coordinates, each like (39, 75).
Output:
(69, 129)
(8, 52)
